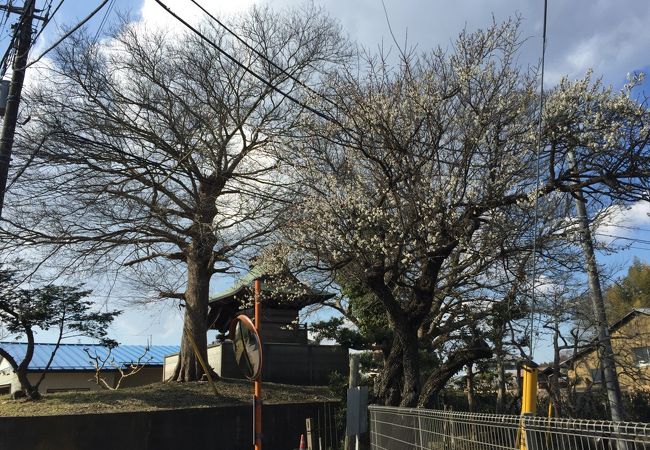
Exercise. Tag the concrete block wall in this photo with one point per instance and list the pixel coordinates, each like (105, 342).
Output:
(309, 365)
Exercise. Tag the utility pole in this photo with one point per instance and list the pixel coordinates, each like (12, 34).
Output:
(605, 351)
(22, 45)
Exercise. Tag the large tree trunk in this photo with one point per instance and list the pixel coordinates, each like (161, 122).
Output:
(387, 388)
(439, 377)
(399, 382)
(195, 328)
(411, 365)
(21, 369)
(200, 267)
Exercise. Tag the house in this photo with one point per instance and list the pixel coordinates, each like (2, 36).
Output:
(630, 337)
(287, 355)
(73, 370)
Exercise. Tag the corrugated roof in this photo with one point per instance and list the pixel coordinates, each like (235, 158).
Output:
(73, 356)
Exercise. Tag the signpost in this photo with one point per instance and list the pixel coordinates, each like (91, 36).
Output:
(248, 354)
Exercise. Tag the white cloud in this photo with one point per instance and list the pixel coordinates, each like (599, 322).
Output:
(154, 14)
(624, 222)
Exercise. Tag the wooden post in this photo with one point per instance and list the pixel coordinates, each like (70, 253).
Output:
(257, 394)
(310, 440)
(23, 35)
(353, 381)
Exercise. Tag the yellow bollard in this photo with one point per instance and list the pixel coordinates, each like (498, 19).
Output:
(528, 398)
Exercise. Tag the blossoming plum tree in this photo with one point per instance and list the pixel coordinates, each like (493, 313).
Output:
(430, 177)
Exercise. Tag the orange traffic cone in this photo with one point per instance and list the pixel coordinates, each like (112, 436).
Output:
(303, 445)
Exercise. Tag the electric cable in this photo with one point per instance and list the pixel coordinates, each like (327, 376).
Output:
(636, 240)
(68, 33)
(262, 55)
(537, 182)
(247, 69)
(48, 20)
(5, 57)
(103, 22)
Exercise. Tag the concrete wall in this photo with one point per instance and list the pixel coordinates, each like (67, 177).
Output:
(57, 381)
(303, 364)
(169, 364)
(227, 428)
(216, 360)
(7, 376)
(281, 363)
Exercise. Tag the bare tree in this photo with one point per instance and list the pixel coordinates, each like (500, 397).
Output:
(155, 152)
(125, 370)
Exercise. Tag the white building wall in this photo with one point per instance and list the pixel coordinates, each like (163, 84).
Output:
(214, 361)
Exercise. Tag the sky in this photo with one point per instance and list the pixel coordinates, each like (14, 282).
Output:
(610, 36)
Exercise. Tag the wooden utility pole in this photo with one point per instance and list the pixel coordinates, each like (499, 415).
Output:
(605, 351)
(22, 45)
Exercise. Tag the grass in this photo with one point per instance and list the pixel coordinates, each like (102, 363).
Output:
(160, 396)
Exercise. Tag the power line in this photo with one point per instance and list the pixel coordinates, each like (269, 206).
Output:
(262, 55)
(48, 20)
(242, 66)
(538, 170)
(639, 241)
(68, 33)
(103, 22)
(627, 227)
(5, 57)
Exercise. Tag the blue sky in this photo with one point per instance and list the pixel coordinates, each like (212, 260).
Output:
(610, 36)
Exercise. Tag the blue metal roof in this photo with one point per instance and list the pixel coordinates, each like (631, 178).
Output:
(73, 356)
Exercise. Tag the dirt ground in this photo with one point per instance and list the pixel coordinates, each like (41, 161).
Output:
(161, 396)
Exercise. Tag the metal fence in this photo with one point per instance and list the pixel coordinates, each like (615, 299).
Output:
(408, 428)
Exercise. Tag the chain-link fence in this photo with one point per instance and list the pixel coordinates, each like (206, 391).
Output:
(409, 428)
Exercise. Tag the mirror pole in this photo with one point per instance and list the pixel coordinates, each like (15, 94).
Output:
(258, 381)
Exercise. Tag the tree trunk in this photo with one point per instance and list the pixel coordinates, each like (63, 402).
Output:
(554, 381)
(470, 387)
(387, 388)
(30, 391)
(197, 295)
(501, 381)
(439, 377)
(410, 364)
(605, 351)
(21, 370)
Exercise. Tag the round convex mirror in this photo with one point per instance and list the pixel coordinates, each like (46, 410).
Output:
(248, 349)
